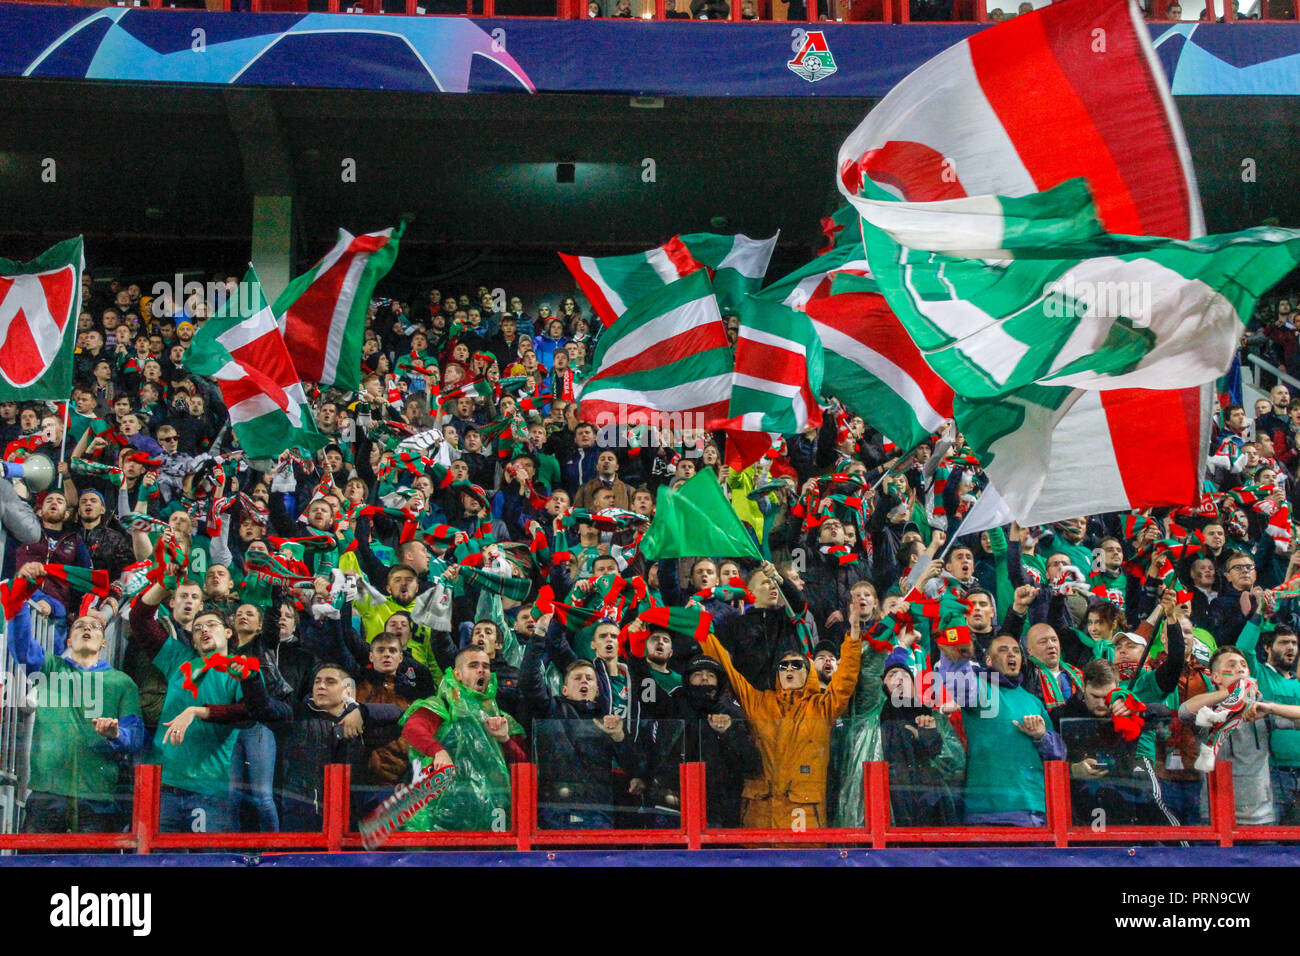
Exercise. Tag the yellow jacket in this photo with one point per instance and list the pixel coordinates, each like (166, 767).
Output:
(793, 728)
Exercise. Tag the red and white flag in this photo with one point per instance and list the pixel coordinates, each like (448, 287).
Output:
(1072, 89)
(241, 347)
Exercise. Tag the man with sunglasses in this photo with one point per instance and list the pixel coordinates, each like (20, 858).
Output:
(87, 723)
(792, 727)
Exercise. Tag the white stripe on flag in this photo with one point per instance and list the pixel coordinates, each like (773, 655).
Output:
(249, 330)
(1194, 342)
(776, 341)
(989, 511)
(692, 394)
(339, 320)
(663, 266)
(593, 272)
(749, 256)
(27, 296)
(253, 407)
(833, 340)
(792, 392)
(972, 226)
(804, 291)
(967, 132)
(694, 313)
(766, 385)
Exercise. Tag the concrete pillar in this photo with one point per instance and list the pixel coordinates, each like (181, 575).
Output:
(273, 252)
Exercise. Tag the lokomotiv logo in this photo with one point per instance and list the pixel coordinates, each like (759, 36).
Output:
(813, 60)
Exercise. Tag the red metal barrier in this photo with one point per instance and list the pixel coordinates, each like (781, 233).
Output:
(693, 833)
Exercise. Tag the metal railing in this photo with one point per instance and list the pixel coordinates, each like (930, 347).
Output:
(693, 833)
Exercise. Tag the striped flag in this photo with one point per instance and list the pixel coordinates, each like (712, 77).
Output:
(668, 354)
(247, 356)
(738, 264)
(778, 374)
(615, 283)
(962, 125)
(322, 313)
(1001, 293)
(876, 370)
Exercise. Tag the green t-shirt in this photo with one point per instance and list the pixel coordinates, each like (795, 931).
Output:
(667, 680)
(1005, 772)
(202, 763)
(1276, 687)
(68, 757)
(618, 687)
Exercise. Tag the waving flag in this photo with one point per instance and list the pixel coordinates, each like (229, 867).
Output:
(778, 373)
(39, 301)
(669, 354)
(322, 314)
(1052, 299)
(247, 356)
(962, 125)
(613, 284)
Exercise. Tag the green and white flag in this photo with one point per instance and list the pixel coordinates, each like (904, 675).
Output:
(1003, 293)
(613, 284)
(739, 264)
(668, 354)
(242, 348)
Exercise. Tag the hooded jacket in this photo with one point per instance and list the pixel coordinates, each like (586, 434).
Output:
(730, 757)
(792, 728)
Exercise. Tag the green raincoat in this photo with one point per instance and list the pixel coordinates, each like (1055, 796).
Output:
(478, 797)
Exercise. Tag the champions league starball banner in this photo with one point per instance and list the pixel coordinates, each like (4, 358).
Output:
(524, 55)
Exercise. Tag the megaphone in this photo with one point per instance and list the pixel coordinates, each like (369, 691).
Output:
(36, 471)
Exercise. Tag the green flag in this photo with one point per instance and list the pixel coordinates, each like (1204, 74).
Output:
(696, 519)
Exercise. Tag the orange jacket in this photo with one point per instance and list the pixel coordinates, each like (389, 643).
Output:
(793, 728)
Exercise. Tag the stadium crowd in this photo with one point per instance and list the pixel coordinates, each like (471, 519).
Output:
(454, 578)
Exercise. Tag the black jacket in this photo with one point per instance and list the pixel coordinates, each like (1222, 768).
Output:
(918, 793)
(729, 758)
(827, 582)
(313, 739)
(759, 638)
(574, 757)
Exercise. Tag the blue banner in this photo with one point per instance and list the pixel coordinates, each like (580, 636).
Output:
(459, 55)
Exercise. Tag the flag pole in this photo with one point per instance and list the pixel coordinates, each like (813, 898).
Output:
(67, 405)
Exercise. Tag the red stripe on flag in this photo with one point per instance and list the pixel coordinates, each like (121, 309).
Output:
(1141, 420)
(1019, 48)
(681, 257)
(917, 171)
(1149, 163)
(590, 288)
(702, 338)
(268, 354)
(308, 320)
(770, 362)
